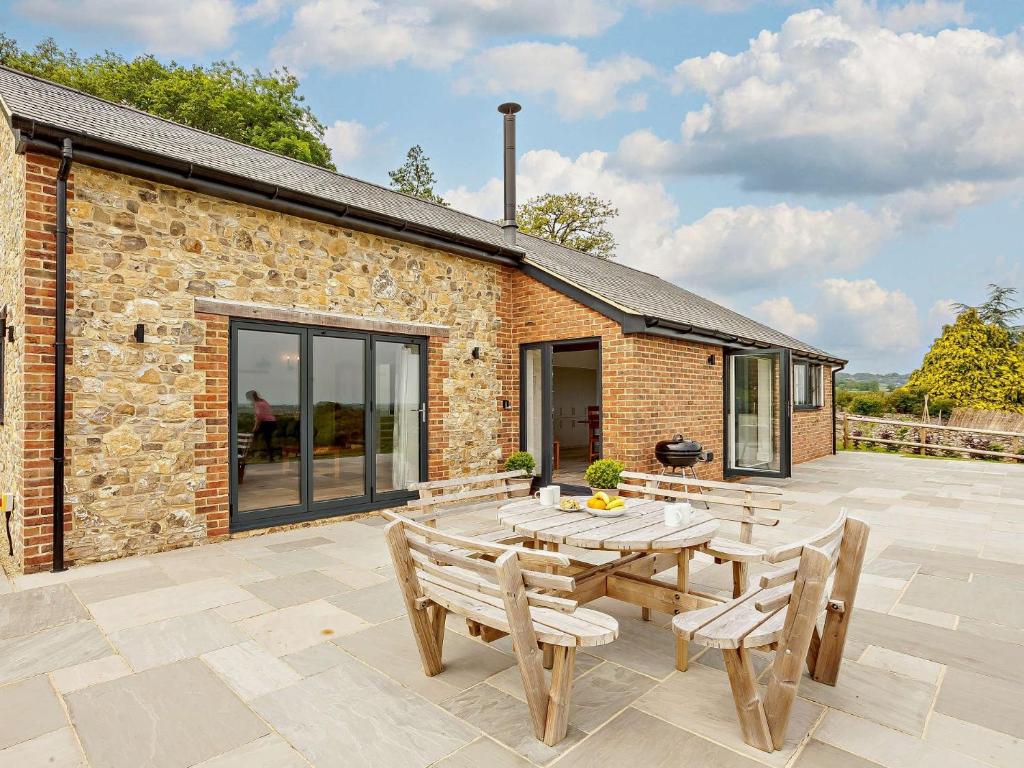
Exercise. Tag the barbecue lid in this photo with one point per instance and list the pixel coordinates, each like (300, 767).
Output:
(679, 445)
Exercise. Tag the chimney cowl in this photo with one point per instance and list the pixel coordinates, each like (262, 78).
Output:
(508, 221)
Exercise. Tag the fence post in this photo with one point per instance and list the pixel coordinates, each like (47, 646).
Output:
(846, 431)
(924, 441)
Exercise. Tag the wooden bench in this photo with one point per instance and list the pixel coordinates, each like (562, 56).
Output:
(781, 613)
(737, 502)
(457, 495)
(504, 590)
(242, 453)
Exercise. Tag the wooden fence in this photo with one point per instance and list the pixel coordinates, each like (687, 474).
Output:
(921, 443)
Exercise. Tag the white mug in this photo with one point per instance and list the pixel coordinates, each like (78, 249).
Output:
(678, 514)
(549, 495)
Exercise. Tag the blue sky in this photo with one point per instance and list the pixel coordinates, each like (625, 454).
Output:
(839, 170)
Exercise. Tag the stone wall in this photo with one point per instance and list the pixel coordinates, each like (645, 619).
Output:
(147, 445)
(812, 428)
(12, 293)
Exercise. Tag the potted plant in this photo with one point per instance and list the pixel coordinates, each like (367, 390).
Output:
(522, 460)
(604, 475)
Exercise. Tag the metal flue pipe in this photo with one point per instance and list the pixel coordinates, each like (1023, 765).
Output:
(508, 222)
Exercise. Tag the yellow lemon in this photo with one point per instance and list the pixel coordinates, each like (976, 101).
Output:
(596, 503)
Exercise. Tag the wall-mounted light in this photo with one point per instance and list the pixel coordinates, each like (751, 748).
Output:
(711, 359)
(476, 353)
(140, 332)
(506, 404)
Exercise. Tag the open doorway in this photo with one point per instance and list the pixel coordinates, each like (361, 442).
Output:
(563, 381)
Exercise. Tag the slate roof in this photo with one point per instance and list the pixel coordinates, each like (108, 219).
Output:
(28, 99)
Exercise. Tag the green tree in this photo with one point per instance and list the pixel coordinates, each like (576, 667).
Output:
(999, 308)
(414, 177)
(263, 110)
(974, 364)
(573, 220)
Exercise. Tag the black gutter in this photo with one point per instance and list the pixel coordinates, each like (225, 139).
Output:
(60, 353)
(164, 170)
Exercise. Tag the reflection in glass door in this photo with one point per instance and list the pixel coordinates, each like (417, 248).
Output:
(268, 408)
(339, 417)
(397, 415)
(758, 413)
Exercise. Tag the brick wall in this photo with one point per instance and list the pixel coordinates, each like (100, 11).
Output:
(812, 429)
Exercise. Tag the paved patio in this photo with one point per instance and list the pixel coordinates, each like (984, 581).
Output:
(291, 650)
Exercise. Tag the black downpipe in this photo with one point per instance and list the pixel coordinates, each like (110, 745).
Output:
(59, 354)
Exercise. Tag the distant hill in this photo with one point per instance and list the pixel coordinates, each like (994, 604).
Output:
(870, 382)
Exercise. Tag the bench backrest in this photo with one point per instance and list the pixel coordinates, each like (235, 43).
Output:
(744, 504)
(244, 443)
(472, 489)
(493, 584)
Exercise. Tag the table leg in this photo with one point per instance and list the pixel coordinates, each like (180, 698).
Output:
(682, 585)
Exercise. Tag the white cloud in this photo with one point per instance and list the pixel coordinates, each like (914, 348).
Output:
(357, 34)
(781, 314)
(172, 27)
(834, 106)
(874, 327)
(918, 15)
(727, 249)
(941, 313)
(347, 140)
(711, 6)
(581, 89)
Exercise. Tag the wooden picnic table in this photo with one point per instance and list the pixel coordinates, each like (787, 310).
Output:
(646, 546)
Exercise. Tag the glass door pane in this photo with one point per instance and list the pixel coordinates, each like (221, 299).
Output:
(338, 393)
(268, 421)
(755, 427)
(397, 416)
(533, 404)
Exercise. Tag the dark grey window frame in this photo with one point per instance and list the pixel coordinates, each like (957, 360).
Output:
(819, 387)
(307, 508)
(785, 414)
(3, 358)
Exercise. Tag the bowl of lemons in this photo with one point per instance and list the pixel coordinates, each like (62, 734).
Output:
(603, 505)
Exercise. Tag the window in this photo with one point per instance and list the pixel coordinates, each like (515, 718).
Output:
(807, 385)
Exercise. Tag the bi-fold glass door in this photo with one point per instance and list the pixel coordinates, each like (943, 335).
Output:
(323, 421)
(758, 413)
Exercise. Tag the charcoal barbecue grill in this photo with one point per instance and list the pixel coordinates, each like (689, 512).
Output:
(681, 456)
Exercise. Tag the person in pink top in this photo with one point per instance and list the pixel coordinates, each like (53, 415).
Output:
(265, 424)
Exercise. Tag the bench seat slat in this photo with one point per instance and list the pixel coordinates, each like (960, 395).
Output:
(734, 551)
(473, 493)
(456, 482)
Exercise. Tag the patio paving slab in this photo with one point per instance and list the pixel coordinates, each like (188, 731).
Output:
(603, 693)
(24, 613)
(89, 673)
(168, 717)
(992, 747)
(291, 546)
(992, 702)
(250, 670)
(122, 583)
(30, 708)
(635, 738)
(884, 746)
(510, 680)
(374, 604)
(51, 649)
(296, 588)
(506, 719)
(166, 603)
(315, 659)
(291, 629)
(56, 749)
(270, 751)
(352, 716)
(893, 700)
(391, 649)
(483, 752)
(922, 670)
(163, 642)
(700, 701)
(962, 650)
(818, 754)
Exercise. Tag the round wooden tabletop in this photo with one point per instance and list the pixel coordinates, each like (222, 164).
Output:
(641, 528)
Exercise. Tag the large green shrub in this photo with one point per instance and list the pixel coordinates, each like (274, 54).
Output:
(868, 404)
